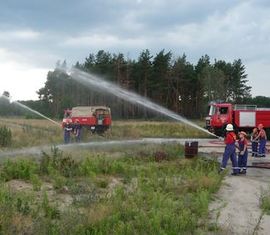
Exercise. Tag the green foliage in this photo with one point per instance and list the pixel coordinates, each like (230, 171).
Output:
(65, 165)
(160, 204)
(19, 169)
(49, 210)
(16, 209)
(102, 165)
(22, 206)
(5, 136)
(36, 182)
(260, 101)
(265, 201)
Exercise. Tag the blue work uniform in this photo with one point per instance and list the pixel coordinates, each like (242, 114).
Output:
(254, 145)
(262, 143)
(67, 130)
(242, 158)
(229, 153)
(78, 132)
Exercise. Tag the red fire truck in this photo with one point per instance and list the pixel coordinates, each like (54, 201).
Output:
(243, 117)
(95, 118)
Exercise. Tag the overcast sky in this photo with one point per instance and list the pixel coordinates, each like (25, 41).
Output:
(34, 34)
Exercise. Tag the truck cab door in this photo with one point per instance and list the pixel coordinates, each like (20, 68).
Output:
(222, 115)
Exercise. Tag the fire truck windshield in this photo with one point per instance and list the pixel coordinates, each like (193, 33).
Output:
(212, 110)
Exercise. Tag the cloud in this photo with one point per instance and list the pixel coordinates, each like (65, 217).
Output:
(34, 35)
(20, 79)
(22, 34)
(21, 82)
(104, 41)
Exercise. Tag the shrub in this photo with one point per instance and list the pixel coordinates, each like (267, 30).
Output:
(64, 164)
(5, 136)
(49, 211)
(19, 169)
(36, 182)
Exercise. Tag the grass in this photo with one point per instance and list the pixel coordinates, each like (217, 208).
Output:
(26, 133)
(265, 201)
(128, 194)
(35, 132)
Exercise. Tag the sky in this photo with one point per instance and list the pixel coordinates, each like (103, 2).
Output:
(35, 34)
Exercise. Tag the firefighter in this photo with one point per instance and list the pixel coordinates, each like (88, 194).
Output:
(243, 154)
(254, 142)
(67, 131)
(262, 140)
(229, 152)
(77, 131)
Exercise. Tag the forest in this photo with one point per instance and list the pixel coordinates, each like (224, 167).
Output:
(165, 79)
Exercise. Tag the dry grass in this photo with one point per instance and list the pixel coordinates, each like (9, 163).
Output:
(35, 132)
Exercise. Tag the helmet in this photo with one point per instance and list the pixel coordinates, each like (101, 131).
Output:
(229, 127)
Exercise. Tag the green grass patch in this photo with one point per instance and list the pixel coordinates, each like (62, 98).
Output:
(265, 201)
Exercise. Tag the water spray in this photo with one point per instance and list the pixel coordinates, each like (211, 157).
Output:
(29, 109)
(90, 80)
(37, 150)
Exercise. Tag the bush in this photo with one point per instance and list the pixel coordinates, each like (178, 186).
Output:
(65, 165)
(5, 136)
(19, 169)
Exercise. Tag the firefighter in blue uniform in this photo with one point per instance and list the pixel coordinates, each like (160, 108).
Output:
(243, 154)
(77, 131)
(254, 142)
(229, 152)
(67, 131)
(262, 140)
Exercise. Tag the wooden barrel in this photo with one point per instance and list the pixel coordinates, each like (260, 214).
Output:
(191, 149)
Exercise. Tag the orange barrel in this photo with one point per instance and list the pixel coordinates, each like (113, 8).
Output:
(191, 149)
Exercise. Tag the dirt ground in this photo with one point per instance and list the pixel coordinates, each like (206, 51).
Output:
(236, 209)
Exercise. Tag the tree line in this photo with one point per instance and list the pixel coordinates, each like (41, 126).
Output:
(170, 81)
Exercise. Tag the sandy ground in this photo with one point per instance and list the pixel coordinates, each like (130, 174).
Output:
(236, 209)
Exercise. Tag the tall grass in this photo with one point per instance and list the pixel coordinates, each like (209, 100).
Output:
(31, 132)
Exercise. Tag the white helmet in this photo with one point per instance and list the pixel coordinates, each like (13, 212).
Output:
(229, 127)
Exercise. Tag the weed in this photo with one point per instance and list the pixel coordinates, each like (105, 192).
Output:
(5, 136)
(65, 165)
(22, 206)
(102, 183)
(36, 182)
(265, 201)
(19, 169)
(49, 211)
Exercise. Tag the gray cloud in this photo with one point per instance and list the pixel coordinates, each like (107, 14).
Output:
(38, 33)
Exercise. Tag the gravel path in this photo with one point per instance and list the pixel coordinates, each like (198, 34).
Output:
(236, 209)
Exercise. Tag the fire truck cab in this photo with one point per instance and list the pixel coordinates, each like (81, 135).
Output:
(219, 116)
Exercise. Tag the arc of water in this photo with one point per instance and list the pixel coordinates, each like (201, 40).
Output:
(31, 110)
(88, 79)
